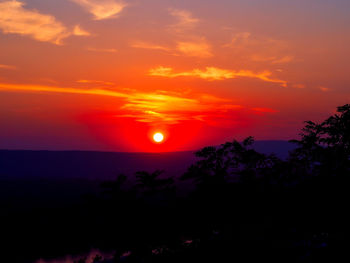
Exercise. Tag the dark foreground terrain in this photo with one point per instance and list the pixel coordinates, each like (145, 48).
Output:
(241, 204)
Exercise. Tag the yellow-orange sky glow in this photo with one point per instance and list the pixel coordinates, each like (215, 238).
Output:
(108, 74)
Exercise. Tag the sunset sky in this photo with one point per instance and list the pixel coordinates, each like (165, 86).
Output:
(107, 74)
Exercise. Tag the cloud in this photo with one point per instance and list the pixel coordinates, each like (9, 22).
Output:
(102, 9)
(14, 19)
(283, 60)
(195, 49)
(273, 59)
(299, 86)
(2, 66)
(324, 89)
(107, 50)
(185, 20)
(148, 107)
(78, 31)
(145, 45)
(199, 48)
(238, 39)
(247, 40)
(155, 107)
(99, 82)
(212, 73)
(259, 48)
(160, 107)
(42, 88)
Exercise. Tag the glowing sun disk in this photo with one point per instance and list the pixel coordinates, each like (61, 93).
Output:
(158, 137)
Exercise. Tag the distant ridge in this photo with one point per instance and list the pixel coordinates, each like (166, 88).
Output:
(106, 165)
(280, 148)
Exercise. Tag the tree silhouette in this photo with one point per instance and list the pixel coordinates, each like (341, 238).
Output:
(97, 259)
(115, 188)
(82, 260)
(228, 162)
(244, 207)
(324, 148)
(150, 183)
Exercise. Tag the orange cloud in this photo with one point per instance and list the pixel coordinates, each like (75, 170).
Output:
(145, 107)
(283, 60)
(102, 9)
(41, 88)
(78, 31)
(273, 59)
(238, 39)
(213, 73)
(199, 48)
(145, 45)
(88, 81)
(299, 86)
(264, 49)
(107, 50)
(195, 49)
(14, 19)
(324, 89)
(160, 107)
(185, 20)
(2, 66)
(156, 107)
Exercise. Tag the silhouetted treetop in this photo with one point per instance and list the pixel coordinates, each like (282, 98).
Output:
(229, 161)
(324, 148)
(150, 182)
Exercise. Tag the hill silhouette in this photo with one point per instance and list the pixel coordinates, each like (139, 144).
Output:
(106, 165)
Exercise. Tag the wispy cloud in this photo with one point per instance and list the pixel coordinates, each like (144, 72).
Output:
(10, 67)
(102, 9)
(155, 107)
(100, 82)
(15, 19)
(42, 88)
(213, 73)
(160, 107)
(273, 59)
(299, 86)
(145, 45)
(283, 60)
(260, 48)
(78, 31)
(198, 48)
(239, 39)
(145, 107)
(190, 45)
(107, 50)
(324, 89)
(185, 20)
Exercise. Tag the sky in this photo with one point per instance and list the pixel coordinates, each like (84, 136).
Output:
(107, 74)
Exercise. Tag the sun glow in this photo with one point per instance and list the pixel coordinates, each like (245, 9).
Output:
(158, 137)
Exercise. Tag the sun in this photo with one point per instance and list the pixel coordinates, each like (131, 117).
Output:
(158, 137)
